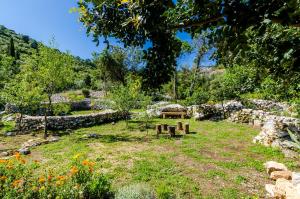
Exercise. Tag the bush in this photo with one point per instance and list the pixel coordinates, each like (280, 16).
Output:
(199, 97)
(61, 109)
(136, 191)
(18, 179)
(271, 89)
(86, 93)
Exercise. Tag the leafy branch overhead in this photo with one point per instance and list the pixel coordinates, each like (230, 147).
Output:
(135, 22)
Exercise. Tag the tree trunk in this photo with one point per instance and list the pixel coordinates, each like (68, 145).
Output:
(198, 61)
(47, 111)
(175, 85)
(20, 128)
(223, 109)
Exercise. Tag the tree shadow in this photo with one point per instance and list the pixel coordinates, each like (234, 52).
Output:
(116, 138)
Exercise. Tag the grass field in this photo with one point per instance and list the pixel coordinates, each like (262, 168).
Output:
(217, 160)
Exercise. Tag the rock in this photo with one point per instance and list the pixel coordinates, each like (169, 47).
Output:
(281, 174)
(296, 179)
(293, 193)
(282, 187)
(270, 188)
(8, 134)
(4, 154)
(274, 166)
(24, 151)
(173, 108)
(92, 135)
(53, 139)
(199, 116)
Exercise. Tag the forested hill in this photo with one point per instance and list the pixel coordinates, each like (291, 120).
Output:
(20, 46)
(16, 45)
(16, 48)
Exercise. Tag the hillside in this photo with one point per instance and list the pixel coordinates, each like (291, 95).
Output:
(19, 47)
(23, 44)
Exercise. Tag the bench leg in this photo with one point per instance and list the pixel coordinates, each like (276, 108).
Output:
(164, 116)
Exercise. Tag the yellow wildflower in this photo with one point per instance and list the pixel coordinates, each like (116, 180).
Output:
(42, 180)
(3, 178)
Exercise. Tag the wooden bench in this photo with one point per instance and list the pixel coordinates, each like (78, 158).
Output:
(181, 114)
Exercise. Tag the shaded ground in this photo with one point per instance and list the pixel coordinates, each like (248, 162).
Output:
(218, 160)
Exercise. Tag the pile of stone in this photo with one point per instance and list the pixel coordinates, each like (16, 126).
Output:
(287, 183)
(26, 146)
(269, 105)
(214, 111)
(274, 129)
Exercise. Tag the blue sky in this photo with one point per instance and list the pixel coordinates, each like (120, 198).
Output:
(43, 19)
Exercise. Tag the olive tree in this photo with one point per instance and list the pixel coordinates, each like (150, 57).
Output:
(23, 92)
(53, 72)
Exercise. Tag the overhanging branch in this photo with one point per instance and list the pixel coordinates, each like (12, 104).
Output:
(189, 24)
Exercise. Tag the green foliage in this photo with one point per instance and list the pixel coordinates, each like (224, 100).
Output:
(23, 92)
(137, 22)
(7, 69)
(110, 66)
(129, 96)
(199, 97)
(271, 89)
(135, 191)
(86, 93)
(295, 138)
(18, 180)
(61, 108)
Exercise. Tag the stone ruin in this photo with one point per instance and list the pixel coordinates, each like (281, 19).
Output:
(275, 129)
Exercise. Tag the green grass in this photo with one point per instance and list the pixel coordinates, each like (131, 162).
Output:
(7, 126)
(217, 160)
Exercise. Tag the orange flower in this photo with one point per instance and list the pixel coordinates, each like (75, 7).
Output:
(91, 169)
(17, 183)
(85, 162)
(61, 178)
(42, 180)
(23, 161)
(74, 170)
(49, 177)
(18, 155)
(3, 161)
(88, 163)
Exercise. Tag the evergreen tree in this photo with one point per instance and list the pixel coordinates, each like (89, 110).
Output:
(11, 48)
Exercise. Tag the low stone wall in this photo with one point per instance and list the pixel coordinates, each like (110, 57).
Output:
(214, 111)
(36, 123)
(269, 105)
(274, 129)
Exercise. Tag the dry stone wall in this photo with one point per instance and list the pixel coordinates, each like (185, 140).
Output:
(276, 131)
(36, 123)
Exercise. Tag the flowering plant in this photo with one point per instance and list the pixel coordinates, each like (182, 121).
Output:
(19, 180)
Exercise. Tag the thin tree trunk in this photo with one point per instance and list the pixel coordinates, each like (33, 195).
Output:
(195, 74)
(47, 111)
(223, 108)
(175, 85)
(20, 127)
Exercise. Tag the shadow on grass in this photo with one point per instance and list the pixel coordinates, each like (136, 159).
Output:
(117, 138)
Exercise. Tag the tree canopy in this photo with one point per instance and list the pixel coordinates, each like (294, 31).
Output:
(136, 22)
